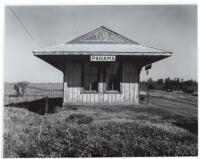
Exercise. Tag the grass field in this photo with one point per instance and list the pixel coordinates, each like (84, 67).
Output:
(34, 91)
(167, 126)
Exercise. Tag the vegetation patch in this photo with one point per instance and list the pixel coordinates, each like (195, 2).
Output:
(80, 118)
(102, 134)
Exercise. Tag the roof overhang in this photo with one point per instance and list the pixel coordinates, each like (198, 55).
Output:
(73, 53)
(100, 42)
(59, 60)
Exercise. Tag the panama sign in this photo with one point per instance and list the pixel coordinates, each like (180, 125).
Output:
(102, 58)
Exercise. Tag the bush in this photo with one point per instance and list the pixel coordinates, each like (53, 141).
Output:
(85, 120)
(76, 116)
(174, 84)
(111, 140)
(80, 118)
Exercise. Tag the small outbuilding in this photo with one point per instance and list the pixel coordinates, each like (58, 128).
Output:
(101, 67)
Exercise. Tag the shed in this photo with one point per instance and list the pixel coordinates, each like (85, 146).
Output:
(101, 67)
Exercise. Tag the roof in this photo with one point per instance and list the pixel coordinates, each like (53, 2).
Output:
(106, 49)
(101, 41)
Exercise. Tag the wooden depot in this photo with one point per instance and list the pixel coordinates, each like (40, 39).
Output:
(101, 67)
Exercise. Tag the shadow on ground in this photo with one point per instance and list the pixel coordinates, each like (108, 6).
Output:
(192, 127)
(40, 106)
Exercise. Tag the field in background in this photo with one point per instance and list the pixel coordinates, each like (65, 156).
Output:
(34, 91)
(167, 126)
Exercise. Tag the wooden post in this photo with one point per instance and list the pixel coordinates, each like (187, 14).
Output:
(101, 84)
(46, 105)
(100, 87)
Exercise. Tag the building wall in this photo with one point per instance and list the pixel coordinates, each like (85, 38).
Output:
(73, 93)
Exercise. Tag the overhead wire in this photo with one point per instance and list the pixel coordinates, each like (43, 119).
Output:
(23, 26)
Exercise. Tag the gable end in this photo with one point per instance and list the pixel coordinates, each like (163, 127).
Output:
(102, 35)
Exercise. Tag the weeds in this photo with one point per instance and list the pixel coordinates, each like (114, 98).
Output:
(80, 118)
(94, 134)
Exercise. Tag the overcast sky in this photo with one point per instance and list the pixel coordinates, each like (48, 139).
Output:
(172, 28)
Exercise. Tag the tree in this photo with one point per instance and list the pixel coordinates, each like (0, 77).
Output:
(150, 83)
(20, 88)
(160, 81)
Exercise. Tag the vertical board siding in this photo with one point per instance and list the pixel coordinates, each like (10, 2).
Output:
(73, 91)
(96, 98)
(65, 94)
(92, 99)
(84, 98)
(131, 92)
(126, 92)
(87, 98)
(105, 98)
(137, 93)
(113, 98)
(117, 98)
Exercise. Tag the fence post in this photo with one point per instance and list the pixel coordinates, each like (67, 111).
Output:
(147, 93)
(9, 99)
(46, 104)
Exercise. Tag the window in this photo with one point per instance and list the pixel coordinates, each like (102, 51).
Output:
(113, 77)
(94, 73)
(89, 77)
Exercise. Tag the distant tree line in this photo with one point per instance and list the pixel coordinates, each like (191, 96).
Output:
(174, 84)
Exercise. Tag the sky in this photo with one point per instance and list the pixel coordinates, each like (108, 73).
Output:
(168, 27)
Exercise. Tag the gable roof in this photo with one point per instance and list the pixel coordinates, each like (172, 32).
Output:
(104, 49)
(102, 35)
(101, 41)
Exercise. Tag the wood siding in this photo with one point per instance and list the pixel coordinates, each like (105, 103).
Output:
(73, 92)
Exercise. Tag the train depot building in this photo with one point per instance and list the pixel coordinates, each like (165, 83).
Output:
(101, 67)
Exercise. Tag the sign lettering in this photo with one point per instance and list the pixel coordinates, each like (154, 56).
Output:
(102, 58)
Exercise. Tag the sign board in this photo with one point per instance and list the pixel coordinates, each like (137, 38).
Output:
(148, 67)
(102, 58)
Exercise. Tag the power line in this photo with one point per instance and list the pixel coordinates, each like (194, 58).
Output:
(24, 27)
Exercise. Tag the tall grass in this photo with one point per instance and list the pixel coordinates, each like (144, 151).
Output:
(91, 132)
